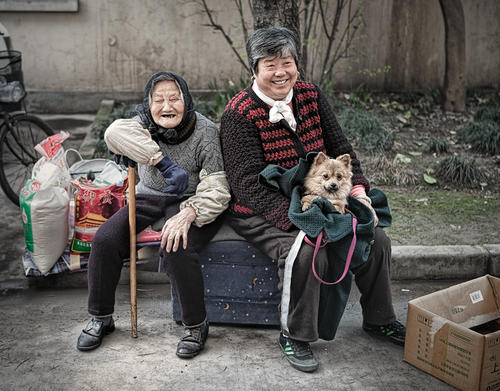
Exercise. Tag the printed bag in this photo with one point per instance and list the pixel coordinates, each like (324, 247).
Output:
(93, 206)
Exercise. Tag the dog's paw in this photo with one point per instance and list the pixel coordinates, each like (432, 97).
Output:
(305, 205)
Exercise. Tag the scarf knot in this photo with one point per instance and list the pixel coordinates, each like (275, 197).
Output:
(280, 109)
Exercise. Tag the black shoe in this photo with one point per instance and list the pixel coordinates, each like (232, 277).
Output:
(193, 340)
(92, 335)
(298, 353)
(394, 332)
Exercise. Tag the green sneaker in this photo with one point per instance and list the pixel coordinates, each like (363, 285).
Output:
(298, 353)
(394, 332)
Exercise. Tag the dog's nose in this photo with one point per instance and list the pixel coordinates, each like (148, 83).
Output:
(333, 187)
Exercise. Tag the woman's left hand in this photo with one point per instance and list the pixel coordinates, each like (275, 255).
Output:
(176, 228)
(375, 217)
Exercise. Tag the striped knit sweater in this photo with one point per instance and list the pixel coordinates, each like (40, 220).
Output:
(250, 142)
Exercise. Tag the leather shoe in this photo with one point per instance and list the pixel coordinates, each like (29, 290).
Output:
(193, 340)
(92, 335)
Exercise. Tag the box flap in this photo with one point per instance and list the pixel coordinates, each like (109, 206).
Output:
(468, 304)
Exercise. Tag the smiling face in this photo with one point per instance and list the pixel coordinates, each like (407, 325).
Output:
(276, 76)
(167, 107)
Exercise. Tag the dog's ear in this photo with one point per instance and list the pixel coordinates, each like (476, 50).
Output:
(345, 159)
(320, 158)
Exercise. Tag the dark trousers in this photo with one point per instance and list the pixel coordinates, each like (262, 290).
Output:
(371, 277)
(111, 245)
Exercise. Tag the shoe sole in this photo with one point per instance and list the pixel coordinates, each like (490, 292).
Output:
(87, 348)
(382, 337)
(298, 366)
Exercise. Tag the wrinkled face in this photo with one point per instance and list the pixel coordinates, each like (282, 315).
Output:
(276, 76)
(167, 107)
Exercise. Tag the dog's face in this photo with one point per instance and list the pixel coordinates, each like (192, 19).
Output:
(330, 178)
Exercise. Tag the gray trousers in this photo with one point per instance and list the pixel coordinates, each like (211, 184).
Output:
(371, 277)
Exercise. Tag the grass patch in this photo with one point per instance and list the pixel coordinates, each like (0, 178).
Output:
(438, 145)
(443, 217)
(383, 171)
(367, 130)
(483, 136)
(460, 171)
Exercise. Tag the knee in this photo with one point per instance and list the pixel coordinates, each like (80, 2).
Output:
(174, 261)
(381, 240)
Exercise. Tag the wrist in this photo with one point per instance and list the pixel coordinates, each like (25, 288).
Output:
(190, 213)
(163, 164)
(364, 198)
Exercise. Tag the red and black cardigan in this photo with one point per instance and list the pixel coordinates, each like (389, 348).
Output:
(250, 142)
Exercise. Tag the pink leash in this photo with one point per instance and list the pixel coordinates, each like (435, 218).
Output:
(318, 245)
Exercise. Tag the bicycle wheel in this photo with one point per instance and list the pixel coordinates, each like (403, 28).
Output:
(20, 134)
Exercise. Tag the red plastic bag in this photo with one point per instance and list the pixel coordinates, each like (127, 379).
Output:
(93, 206)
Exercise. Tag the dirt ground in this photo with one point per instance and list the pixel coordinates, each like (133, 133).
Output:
(424, 213)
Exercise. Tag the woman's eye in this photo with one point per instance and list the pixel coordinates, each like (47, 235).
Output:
(325, 176)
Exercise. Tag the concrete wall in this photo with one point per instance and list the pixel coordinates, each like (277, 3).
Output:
(110, 47)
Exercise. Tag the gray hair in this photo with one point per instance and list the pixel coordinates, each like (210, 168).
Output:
(270, 41)
(160, 79)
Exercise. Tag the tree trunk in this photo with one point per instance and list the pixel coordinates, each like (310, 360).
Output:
(283, 13)
(454, 77)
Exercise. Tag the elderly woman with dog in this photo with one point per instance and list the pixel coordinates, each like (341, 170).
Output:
(278, 120)
(182, 179)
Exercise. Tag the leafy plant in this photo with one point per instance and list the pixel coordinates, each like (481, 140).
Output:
(366, 129)
(460, 171)
(122, 110)
(487, 113)
(438, 145)
(222, 96)
(483, 136)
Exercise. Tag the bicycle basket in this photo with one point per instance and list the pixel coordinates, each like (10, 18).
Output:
(11, 80)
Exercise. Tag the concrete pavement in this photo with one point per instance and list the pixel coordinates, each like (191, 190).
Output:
(40, 328)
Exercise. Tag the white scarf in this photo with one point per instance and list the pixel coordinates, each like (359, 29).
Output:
(279, 108)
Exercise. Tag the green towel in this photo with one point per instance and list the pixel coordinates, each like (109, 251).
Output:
(323, 216)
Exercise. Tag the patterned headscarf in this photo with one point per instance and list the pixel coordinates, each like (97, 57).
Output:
(158, 133)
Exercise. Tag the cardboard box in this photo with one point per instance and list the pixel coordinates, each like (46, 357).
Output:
(454, 334)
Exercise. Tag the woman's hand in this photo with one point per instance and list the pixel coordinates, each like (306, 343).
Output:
(176, 228)
(375, 217)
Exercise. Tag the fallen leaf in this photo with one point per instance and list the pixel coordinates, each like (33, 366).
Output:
(430, 180)
(401, 159)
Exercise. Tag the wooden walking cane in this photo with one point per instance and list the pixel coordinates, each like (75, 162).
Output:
(131, 221)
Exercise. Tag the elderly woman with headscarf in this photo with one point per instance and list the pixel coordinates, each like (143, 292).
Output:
(277, 121)
(182, 179)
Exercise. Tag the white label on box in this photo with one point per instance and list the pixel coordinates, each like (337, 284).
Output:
(476, 297)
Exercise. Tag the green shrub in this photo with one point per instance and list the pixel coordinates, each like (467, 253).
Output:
(487, 113)
(366, 129)
(460, 171)
(483, 136)
(438, 145)
(122, 110)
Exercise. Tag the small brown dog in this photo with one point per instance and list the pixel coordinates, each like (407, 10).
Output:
(328, 178)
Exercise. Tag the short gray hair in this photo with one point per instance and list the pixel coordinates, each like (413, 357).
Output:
(270, 41)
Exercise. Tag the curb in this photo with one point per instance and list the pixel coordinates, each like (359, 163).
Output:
(460, 262)
(444, 262)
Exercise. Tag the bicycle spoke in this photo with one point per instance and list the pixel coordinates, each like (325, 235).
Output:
(17, 154)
